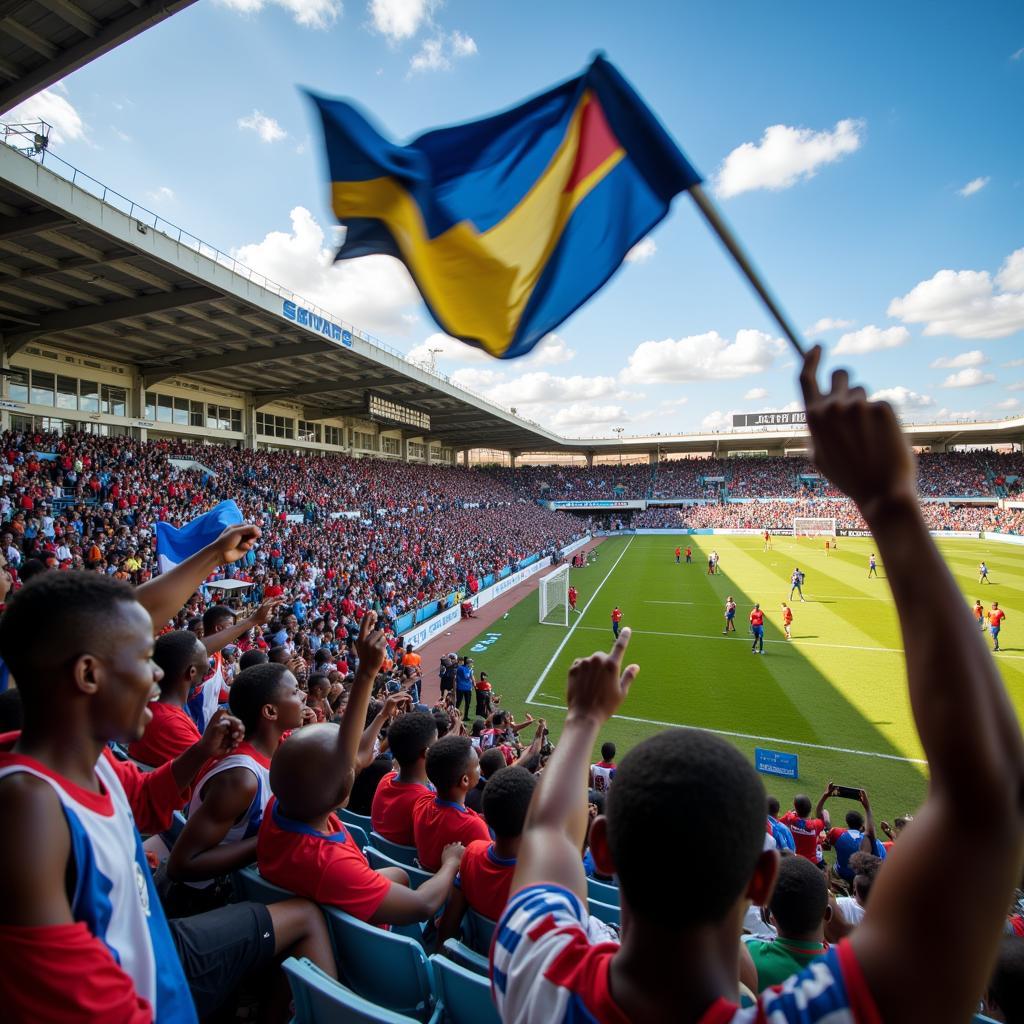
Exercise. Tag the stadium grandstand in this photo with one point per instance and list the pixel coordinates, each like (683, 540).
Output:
(306, 775)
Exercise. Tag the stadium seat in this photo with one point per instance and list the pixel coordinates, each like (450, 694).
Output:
(378, 860)
(604, 912)
(319, 999)
(249, 884)
(477, 931)
(351, 818)
(464, 997)
(388, 969)
(603, 891)
(405, 855)
(358, 835)
(468, 958)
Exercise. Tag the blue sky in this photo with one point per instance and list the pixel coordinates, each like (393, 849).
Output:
(872, 162)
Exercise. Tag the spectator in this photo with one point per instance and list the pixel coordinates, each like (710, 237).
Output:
(454, 768)
(799, 911)
(855, 838)
(485, 874)
(806, 829)
(409, 739)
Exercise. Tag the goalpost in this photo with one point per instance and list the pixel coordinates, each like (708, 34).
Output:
(808, 526)
(554, 597)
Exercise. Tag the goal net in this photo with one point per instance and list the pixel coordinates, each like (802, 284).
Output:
(810, 527)
(554, 597)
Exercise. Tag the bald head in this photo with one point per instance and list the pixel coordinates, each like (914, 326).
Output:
(298, 770)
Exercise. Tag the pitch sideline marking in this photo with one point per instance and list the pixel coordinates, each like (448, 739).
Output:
(572, 628)
(749, 736)
(790, 643)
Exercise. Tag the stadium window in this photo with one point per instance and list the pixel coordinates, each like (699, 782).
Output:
(67, 393)
(89, 396)
(309, 431)
(21, 424)
(332, 436)
(164, 408)
(235, 420)
(42, 388)
(416, 450)
(17, 386)
(180, 412)
(150, 403)
(196, 414)
(390, 445)
(368, 442)
(113, 400)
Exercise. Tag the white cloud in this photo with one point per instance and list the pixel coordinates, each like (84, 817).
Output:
(974, 185)
(973, 358)
(431, 57)
(826, 323)
(967, 303)
(972, 377)
(756, 394)
(871, 339)
(66, 124)
(1011, 274)
(539, 387)
(264, 126)
(463, 45)
(439, 52)
(373, 292)
(478, 380)
(1016, 386)
(551, 350)
(703, 357)
(318, 14)
(944, 415)
(398, 19)
(588, 414)
(1012, 363)
(718, 420)
(1008, 403)
(162, 194)
(784, 156)
(642, 251)
(903, 398)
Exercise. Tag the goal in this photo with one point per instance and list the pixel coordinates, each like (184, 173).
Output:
(554, 597)
(810, 527)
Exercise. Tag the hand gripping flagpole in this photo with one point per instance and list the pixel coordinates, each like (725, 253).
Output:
(732, 243)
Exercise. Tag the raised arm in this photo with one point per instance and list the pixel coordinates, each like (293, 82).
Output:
(819, 811)
(556, 823)
(259, 617)
(371, 647)
(966, 723)
(396, 702)
(867, 844)
(164, 595)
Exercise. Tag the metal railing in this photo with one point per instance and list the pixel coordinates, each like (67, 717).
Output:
(31, 139)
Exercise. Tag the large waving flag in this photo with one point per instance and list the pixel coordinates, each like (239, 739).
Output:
(509, 224)
(174, 545)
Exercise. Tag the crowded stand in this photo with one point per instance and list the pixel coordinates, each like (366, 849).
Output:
(601, 482)
(307, 804)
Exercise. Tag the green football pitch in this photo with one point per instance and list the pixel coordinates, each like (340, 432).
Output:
(835, 695)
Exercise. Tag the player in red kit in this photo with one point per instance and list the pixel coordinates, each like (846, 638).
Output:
(616, 619)
(572, 599)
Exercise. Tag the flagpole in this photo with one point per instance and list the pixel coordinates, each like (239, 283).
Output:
(732, 243)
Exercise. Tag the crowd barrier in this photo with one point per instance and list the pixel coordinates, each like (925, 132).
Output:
(438, 619)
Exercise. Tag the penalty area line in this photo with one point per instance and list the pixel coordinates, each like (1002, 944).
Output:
(749, 736)
(572, 629)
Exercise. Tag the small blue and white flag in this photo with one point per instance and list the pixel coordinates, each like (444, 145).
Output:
(174, 545)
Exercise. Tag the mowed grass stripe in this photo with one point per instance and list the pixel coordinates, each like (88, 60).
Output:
(837, 707)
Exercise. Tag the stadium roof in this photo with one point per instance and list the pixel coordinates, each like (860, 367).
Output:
(41, 41)
(98, 275)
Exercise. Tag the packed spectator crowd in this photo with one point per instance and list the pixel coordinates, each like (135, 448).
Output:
(290, 761)
(408, 535)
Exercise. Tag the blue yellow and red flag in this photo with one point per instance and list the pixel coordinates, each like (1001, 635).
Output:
(510, 223)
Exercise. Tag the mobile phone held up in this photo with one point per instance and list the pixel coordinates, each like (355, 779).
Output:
(846, 792)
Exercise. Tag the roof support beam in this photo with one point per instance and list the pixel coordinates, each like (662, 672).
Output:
(64, 61)
(30, 223)
(121, 309)
(237, 357)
